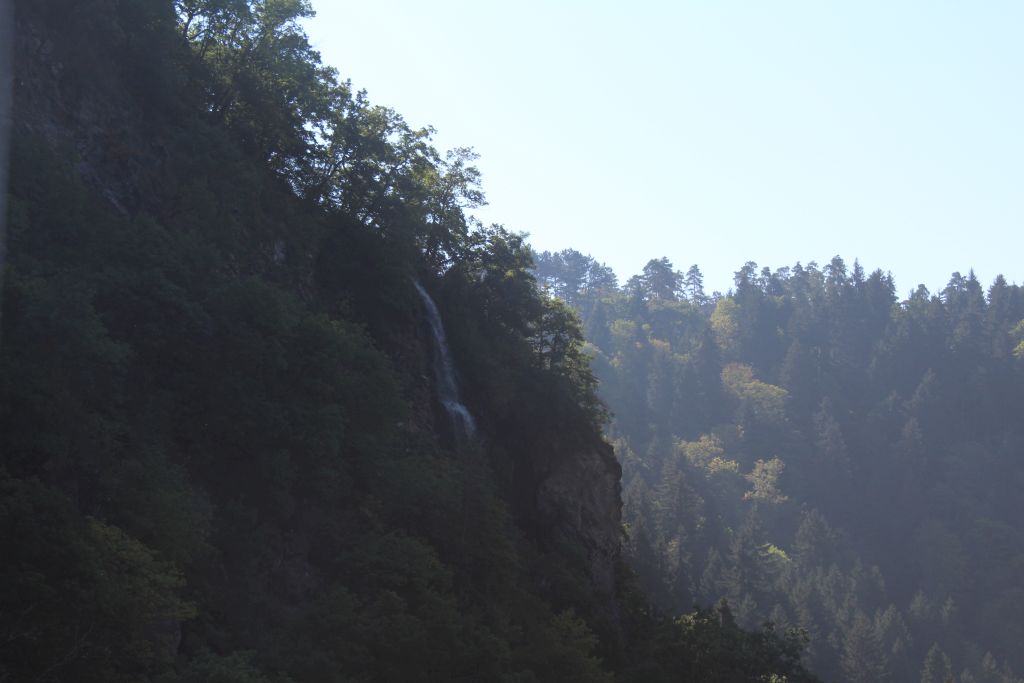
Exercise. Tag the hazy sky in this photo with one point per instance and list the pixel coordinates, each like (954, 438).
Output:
(720, 132)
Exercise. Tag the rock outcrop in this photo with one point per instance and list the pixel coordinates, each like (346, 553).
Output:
(581, 498)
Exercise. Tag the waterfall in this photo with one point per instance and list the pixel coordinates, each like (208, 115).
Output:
(444, 372)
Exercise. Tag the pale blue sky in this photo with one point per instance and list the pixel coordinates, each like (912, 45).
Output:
(720, 132)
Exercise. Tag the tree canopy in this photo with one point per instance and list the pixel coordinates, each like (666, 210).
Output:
(826, 457)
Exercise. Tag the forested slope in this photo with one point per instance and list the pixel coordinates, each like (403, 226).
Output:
(222, 455)
(822, 455)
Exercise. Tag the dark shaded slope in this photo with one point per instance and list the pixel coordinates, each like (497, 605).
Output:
(221, 457)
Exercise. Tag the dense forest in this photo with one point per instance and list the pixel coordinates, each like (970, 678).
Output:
(821, 454)
(236, 298)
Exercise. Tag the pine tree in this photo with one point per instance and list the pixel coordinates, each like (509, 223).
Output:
(693, 286)
(937, 668)
(863, 659)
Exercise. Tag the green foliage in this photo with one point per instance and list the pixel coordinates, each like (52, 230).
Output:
(897, 423)
(220, 459)
(82, 600)
(765, 401)
(863, 658)
(1018, 336)
(561, 651)
(764, 481)
(707, 645)
(725, 325)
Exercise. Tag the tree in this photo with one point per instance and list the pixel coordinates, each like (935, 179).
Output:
(816, 543)
(693, 286)
(660, 281)
(746, 577)
(764, 481)
(863, 659)
(268, 83)
(1017, 334)
(831, 465)
(937, 667)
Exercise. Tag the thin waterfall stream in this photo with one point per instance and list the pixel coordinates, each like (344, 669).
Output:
(444, 371)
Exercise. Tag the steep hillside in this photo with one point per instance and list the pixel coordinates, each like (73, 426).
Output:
(226, 450)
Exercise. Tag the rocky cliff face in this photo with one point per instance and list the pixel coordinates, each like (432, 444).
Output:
(99, 124)
(581, 498)
(572, 498)
(567, 495)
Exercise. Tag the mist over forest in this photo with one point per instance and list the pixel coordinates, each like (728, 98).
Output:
(819, 454)
(275, 408)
